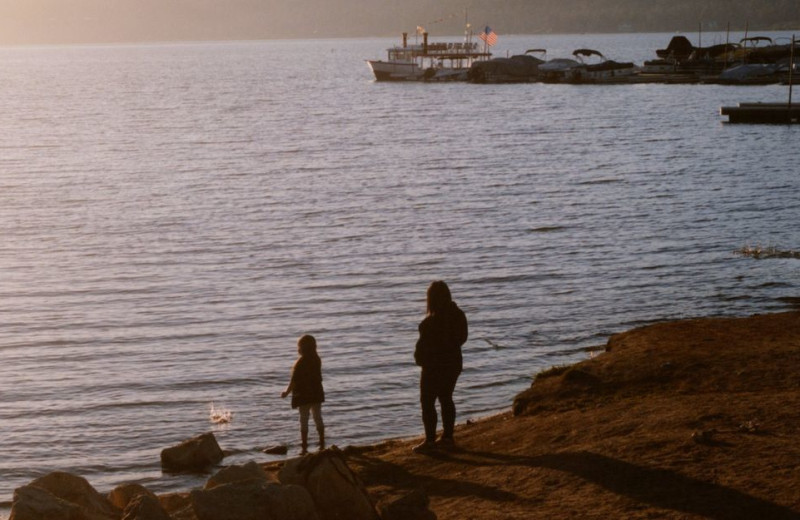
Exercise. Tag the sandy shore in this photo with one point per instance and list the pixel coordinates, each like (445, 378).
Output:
(690, 419)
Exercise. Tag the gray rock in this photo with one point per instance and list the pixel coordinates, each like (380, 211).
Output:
(280, 449)
(77, 491)
(337, 491)
(34, 503)
(178, 505)
(122, 495)
(145, 507)
(243, 473)
(196, 454)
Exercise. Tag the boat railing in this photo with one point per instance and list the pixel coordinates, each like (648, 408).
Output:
(453, 47)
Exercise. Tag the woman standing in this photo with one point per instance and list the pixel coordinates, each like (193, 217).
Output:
(438, 352)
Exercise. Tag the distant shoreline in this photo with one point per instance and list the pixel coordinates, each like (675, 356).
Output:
(392, 34)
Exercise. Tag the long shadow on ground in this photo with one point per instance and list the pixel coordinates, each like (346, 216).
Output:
(666, 489)
(657, 487)
(377, 471)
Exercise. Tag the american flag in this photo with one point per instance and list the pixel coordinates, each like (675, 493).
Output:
(489, 36)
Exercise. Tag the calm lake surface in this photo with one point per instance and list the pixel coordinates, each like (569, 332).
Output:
(174, 217)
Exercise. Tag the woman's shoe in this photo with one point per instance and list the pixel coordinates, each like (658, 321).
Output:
(446, 443)
(424, 447)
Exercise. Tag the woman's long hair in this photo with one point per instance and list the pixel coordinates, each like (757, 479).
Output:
(438, 297)
(308, 346)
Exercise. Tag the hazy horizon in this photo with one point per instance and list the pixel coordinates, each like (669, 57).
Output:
(121, 21)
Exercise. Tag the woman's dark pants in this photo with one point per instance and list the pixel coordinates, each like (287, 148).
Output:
(438, 383)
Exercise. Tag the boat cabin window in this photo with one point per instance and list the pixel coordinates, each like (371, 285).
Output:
(400, 55)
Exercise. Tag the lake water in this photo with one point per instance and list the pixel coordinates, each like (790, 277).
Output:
(173, 218)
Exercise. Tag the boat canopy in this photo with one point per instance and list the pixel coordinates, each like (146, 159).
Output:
(587, 53)
(519, 67)
(713, 52)
(679, 48)
(559, 65)
(756, 40)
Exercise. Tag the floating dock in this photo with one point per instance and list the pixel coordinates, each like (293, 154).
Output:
(763, 113)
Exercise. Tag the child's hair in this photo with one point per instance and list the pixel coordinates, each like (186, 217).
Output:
(307, 345)
(438, 297)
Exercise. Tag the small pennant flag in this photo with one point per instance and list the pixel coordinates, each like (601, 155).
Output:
(489, 36)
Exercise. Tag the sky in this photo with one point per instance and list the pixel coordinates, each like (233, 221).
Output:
(82, 21)
(112, 21)
(91, 21)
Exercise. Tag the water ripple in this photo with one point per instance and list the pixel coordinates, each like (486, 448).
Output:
(174, 218)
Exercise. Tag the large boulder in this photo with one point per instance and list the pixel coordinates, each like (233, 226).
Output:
(253, 500)
(33, 503)
(196, 454)
(145, 507)
(66, 488)
(337, 491)
(243, 473)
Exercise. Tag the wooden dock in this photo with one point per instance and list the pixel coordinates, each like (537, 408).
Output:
(763, 113)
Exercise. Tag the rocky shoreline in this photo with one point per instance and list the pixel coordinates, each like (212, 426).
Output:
(689, 419)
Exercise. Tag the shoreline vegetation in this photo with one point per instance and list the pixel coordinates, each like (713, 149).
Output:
(697, 418)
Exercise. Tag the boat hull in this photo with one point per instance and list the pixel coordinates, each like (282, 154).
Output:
(401, 71)
(395, 71)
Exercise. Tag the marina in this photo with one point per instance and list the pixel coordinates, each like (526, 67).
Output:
(754, 60)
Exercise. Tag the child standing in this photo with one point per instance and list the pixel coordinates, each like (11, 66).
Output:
(306, 389)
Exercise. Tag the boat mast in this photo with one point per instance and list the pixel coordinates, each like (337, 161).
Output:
(727, 44)
(746, 31)
(467, 28)
(700, 35)
(791, 74)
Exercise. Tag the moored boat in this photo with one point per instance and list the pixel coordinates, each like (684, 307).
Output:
(749, 74)
(580, 70)
(557, 70)
(429, 61)
(604, 71)
(520, 68)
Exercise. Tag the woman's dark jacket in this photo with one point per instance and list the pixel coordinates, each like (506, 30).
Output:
(440, 338)
(307, 381)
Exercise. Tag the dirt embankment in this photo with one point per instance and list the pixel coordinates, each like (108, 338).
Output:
(690, 419)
